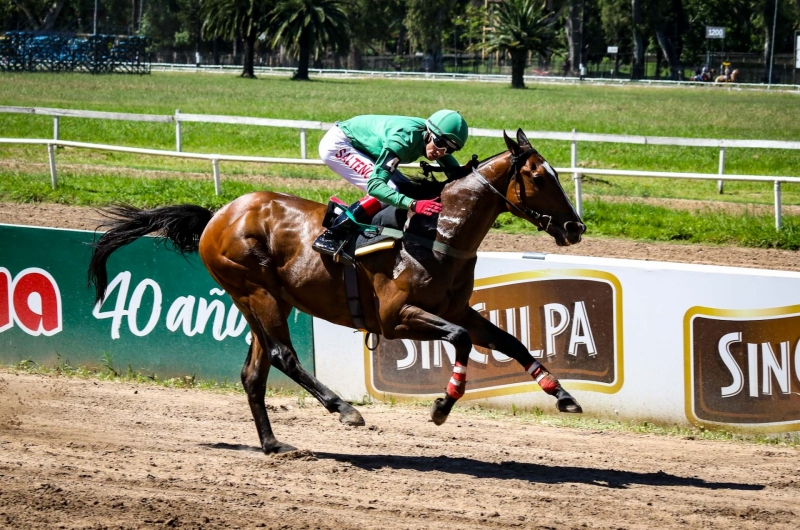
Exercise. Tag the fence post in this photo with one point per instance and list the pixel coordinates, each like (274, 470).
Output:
(302, 143)
(778, 220)
(55, 127)
(51, 154)
(178, 131)
(576, 177)
(217, 185)
(720, 183)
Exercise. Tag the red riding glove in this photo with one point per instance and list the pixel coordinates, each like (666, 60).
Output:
(426, 207)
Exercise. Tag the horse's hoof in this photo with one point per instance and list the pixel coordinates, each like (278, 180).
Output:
(278, 448)
(568, 404)
(438, 415)
(352, 418)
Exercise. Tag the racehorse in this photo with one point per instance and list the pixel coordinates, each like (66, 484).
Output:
(258, 248)
(724, 79)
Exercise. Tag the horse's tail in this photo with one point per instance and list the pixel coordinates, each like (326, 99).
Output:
(181, 225)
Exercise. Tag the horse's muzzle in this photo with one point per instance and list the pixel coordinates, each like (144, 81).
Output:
(572, 232)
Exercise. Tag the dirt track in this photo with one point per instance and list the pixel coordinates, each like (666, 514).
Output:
(85, 454)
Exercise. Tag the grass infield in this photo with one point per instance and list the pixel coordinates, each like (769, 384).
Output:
(92, 177)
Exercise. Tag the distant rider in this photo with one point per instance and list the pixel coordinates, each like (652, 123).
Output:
(366, 151)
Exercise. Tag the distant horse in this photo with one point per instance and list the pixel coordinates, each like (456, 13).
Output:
(258, 248)
(723, 79)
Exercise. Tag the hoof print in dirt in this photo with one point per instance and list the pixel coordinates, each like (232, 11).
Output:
(296, 454)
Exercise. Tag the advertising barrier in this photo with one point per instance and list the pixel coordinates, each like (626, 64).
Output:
(163, 315)
(634, 340)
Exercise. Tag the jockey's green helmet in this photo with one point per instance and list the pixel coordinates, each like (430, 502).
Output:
(449, 125)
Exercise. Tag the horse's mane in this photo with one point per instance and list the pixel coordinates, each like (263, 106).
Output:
(422, 187)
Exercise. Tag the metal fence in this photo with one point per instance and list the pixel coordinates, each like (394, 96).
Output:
(33, 52)
(573, 137)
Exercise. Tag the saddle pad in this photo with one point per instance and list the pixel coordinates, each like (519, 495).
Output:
(387, 243)
(389, 217)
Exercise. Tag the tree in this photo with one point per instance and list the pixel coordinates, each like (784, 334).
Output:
(232, 19)
(425, 20)
(41, 15)
(575, 29)
(309, 26)
(522, 27)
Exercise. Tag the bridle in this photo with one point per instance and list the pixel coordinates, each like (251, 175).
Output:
(541, 221)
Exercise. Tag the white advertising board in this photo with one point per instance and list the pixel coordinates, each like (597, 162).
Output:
(677, 343)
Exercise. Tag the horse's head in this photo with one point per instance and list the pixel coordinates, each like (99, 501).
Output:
(535, 194)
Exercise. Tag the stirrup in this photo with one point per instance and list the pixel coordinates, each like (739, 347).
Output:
(340, 256)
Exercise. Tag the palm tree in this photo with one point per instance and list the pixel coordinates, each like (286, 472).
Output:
(232, 19)
(306, 26)
(521, 27)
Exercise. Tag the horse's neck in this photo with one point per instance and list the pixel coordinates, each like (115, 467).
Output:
(470, 207)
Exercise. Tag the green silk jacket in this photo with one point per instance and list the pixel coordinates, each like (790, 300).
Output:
(388, 141)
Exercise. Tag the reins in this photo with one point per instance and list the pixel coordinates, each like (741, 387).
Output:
(542, 221)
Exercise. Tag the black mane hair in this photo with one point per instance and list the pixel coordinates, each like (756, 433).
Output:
(422, 187)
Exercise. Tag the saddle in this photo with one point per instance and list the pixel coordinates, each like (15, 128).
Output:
(369, 240)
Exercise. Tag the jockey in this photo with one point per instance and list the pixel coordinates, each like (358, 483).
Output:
(366, 150)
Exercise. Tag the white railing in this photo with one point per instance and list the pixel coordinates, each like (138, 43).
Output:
(215, 159)
(303, 126)
(452, 76)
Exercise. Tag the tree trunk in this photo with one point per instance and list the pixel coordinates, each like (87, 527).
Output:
(305, 51)
(769, 13)
(249, 55)
(399, 49)
(355, 58)
(518, 60)
(673, 61)
(574, 35)
(637, 68)
(48, 22)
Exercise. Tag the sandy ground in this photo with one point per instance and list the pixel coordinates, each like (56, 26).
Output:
(88, 219)
(90, 454)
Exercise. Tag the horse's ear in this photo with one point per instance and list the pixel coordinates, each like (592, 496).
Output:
(511, 144)
(522, 139)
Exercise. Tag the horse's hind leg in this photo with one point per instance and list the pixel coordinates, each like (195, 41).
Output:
(270, 316)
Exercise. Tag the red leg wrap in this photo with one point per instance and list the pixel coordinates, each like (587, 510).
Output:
(371, 205)
(458, 383)
(545, 379)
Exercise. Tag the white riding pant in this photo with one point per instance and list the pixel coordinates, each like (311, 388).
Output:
(345, 160)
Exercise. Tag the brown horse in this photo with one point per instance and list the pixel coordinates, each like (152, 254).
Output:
(724, 79)
(258, 248)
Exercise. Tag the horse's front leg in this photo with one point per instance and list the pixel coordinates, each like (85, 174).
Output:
(417, 324)
(484, 333)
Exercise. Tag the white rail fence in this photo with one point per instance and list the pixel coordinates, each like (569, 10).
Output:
(303, 126)
(339, 73)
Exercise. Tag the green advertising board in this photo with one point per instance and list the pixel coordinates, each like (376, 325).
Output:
(163, 313)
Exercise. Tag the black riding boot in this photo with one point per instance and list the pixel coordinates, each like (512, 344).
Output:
(334, 238)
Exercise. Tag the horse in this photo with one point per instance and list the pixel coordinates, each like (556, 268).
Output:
(734, 78)
(258, 249)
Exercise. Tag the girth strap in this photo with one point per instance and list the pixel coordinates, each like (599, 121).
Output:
(425, 242)
(353, 296)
